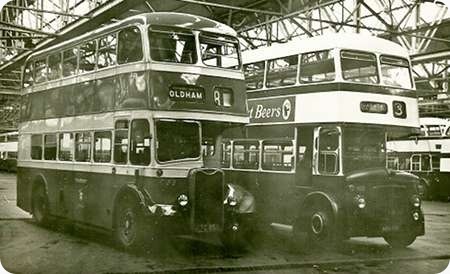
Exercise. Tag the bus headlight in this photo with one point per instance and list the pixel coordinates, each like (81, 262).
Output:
(415, 201)
(360, 201)
(183, 200)
(416, 216)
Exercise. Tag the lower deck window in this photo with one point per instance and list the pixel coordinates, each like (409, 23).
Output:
(278, 156)
(246, 155)
(102, 147)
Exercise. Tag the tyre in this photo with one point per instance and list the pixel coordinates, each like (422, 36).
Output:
(40, 206)
(129, 224)
(320, 227)
(233, 241)
(400, 240)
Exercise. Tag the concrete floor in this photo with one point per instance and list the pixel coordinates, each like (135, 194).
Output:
(28, 248)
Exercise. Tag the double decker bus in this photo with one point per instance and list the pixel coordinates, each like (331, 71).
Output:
(421, 155)
(314, 153)
(120, 127)
(8, 151)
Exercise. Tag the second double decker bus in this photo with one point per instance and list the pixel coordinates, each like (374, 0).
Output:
(314, 153)
(120, 129)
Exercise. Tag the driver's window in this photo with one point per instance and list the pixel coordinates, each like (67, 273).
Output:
(328, 157)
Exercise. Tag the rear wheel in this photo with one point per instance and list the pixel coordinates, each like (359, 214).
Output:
(40, 206)
(400, 240)
(129, 224)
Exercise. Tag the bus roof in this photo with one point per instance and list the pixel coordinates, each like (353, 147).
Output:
(170, 19)
(353, 41)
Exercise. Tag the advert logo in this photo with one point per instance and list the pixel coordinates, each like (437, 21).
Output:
(272, 110)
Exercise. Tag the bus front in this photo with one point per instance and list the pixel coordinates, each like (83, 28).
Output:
(196, 89)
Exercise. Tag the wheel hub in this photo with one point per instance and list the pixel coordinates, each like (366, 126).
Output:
(317, 223)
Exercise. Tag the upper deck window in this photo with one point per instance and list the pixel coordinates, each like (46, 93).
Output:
(40, 70)
(28, 76)
(219, 51)
(54, 66)
(130, 46)
(395, 72)
(359, 67)
(70, 57)
(107, 51)
(282, 71)
(87, 57)
(254, 75)
(317, 67)
(172, 46)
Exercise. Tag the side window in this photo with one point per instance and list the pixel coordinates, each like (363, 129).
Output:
(282, 71)
(107, 51)
(140, 142)
(65, 147)
(317, 67)
(246, 155)
(83, 147)
(130, 46)
(254, 75)
(226, 154)
(415, 162)
(40, 70)
(70, 58)
(102, 147)
(392, 163)
(359, 67)
(328, 151)
(87, 57)
(278, 156)
(426, 163)
(54, 66)
(121, 142)
(50, 147)
(28, 76)
(36, 147)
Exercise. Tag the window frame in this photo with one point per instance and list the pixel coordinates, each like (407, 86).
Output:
(377, 67)
(282, 154)
(94, 153)
(246, 153)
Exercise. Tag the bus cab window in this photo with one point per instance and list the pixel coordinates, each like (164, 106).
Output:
(328, 151)
(317, 67)
(129, 46)
(54, 66)
(87, 57)
(177, 140)
(254, 75)
(172, 46)
(36, 147)
(107, 51)
(246, 155)
(65, 146)
(50, 147)
(70, 62)
(102, 147)
(282, 72)
(83, 147)
(140, 142)
(121, 142)
(359, 67)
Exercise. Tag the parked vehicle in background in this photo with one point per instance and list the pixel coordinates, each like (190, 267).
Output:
(8, 151)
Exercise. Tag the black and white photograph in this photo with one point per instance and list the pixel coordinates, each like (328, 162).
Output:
(214, 136)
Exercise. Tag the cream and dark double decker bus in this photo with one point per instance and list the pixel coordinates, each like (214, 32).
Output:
(120, 127)
(314, 156)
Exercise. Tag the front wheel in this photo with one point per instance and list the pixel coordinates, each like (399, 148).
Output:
(320, 227)
(129, 224)
(40, 206)
(400, 240)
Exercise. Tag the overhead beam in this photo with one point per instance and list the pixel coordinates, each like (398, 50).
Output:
(14, 37)
(229, 7)
(25, 29)
(46, 11)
